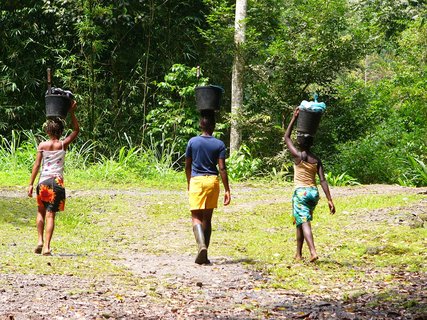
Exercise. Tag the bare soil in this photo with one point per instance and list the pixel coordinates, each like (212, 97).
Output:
(177, 288)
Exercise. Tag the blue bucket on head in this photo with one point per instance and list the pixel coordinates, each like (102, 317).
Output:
(208, 97)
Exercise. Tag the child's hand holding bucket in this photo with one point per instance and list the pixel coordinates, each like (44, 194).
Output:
(296, 112)
(73, 106)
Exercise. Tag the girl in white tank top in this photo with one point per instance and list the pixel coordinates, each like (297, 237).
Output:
(52, 164)
(50, 189)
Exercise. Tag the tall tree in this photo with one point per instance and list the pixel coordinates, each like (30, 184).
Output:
(292, 49)
(109, 53)
(237, 75)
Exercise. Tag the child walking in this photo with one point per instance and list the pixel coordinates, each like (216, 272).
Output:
(306, 194)
(50, 189)
(203, 154)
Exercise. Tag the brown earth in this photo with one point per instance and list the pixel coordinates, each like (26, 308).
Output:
(176, 288)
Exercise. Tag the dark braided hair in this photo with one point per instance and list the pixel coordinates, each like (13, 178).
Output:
(54, 127)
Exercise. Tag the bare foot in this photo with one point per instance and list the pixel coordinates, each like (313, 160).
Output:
(38, 249)
(314, 258)
(298, 257)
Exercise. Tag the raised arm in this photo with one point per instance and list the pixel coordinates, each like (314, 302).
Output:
(224, 178)
(75, 125)
(293, 150)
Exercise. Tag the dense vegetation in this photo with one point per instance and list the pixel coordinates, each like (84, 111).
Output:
(132, 66)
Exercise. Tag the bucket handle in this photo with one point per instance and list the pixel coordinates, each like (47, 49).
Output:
(49, 80)
(197, 75)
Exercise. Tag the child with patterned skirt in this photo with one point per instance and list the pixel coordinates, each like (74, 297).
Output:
(50, 188)
(306, 194)
(203, 154)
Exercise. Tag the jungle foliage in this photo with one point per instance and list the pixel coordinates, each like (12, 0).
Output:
(132, 66)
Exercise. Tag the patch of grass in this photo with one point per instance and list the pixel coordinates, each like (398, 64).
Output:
(266, 235)
(76, 179)
(79, 244)
(95, 230)
(372, 202)
(14, 177)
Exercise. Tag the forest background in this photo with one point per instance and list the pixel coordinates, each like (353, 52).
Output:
(132, 67)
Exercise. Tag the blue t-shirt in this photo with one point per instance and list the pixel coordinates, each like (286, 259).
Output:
(205, 152)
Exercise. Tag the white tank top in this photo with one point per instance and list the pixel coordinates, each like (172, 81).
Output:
(53, 164)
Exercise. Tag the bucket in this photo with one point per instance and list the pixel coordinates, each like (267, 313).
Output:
(57, 105)
(208, 97)
(308, 121)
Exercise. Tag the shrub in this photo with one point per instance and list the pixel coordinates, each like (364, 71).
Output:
(241, 165)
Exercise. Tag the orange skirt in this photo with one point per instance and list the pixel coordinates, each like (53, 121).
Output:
(51, 194)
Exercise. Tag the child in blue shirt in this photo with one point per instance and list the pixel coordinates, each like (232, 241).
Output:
(203, 154)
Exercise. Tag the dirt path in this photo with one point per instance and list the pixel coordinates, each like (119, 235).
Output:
(182, 290)
(171, 286)
(17, 192)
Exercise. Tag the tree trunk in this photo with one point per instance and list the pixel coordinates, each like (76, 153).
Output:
(237, 76)
(147, 60)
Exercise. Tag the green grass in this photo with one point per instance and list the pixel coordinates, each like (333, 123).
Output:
(95, 230)
(80, 179)
(265, 237)
(79, 243)
(14, 177)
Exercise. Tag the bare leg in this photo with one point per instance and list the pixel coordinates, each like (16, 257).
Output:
(50, 226)
(308, 236)
(201, 216)
(41, 214)
(300, 242)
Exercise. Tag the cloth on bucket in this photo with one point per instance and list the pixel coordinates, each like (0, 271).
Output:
(59, 91)
(313, 105)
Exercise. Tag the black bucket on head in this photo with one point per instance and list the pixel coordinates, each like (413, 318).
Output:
(208, 97)
(207, 113)
(57, 105)
(308, 121)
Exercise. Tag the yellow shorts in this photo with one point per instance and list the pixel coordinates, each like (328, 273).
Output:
(204, 192)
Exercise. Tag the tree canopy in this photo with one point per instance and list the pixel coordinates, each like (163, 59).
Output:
(132, 67)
